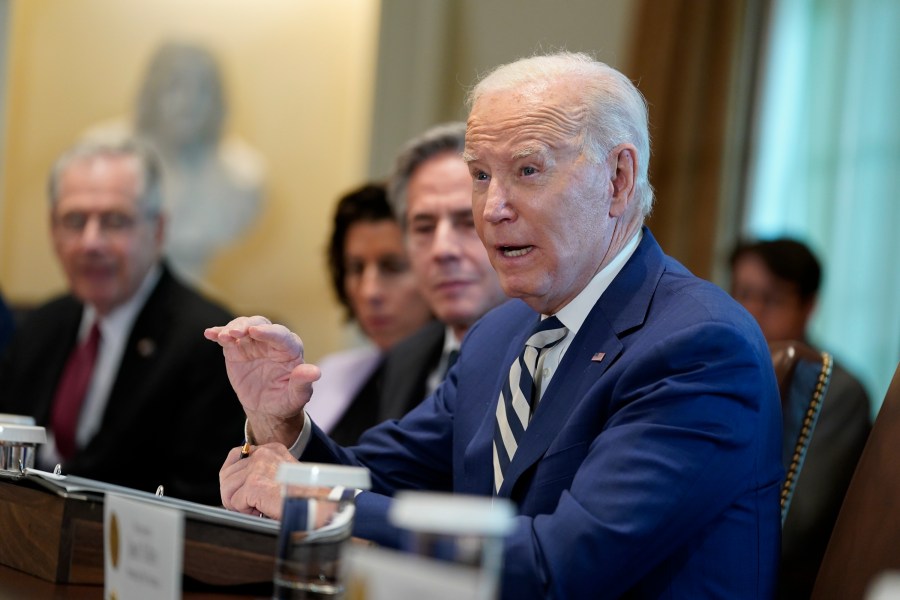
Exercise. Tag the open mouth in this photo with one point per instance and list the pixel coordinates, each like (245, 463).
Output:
(515, 251)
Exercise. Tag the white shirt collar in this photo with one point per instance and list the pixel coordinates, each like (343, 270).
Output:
(121, 318)
(450, 341)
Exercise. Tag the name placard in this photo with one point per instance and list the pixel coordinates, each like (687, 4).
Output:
(384, 574)
(142, 546)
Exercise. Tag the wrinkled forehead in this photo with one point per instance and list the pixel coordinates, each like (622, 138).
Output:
(525, 120)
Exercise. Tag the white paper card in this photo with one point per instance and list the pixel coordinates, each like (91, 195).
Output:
(142, 546)
(383, 574)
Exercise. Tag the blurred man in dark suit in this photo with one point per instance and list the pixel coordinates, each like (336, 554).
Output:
(117, 369)
(430, 193)
(777, 281)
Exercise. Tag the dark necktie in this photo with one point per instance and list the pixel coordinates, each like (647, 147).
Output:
(451, 360)
(515, 405)
(71, 391)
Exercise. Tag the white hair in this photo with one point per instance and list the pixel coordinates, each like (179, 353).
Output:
(439, 139)
(149, 192)
(616, 110)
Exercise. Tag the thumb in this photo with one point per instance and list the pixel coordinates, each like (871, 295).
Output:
(305, 374)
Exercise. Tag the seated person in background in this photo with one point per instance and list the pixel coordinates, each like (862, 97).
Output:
(431, 194)
(373, 280)
(6, 324)
(777, 281)
(117, 369)
(627, 407)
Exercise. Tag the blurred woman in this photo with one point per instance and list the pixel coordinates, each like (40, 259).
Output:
(371, 276)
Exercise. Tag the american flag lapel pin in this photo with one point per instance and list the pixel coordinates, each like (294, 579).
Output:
(598, 357)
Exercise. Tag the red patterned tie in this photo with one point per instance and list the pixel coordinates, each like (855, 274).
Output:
(71, 391)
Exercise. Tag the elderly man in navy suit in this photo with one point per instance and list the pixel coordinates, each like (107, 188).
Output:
(627, 407)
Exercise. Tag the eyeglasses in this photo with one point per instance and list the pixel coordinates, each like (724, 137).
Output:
(111, 222)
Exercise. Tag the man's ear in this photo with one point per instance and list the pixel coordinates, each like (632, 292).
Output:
(623, 165)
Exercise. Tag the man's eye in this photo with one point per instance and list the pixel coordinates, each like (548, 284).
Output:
(480, 176)
(422, 228)
(116, 221)
(466, 222)
(528, 170)
(73, 221)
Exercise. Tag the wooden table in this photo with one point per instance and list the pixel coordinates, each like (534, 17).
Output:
(52, 547)
(15, 585)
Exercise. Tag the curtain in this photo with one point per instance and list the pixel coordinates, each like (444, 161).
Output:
(695, 62)
(826, 169)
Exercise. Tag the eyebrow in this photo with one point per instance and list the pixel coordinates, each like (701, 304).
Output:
(524, 152)
(432, 216)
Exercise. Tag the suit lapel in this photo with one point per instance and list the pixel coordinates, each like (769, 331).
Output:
(576, 373)
(139, 369)
(622, 307)
(407, 368)
(55, 358)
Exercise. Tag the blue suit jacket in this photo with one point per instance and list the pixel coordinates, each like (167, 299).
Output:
(651, 473)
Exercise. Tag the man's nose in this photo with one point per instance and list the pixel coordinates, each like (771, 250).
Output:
(93, 232)
(497, 206)
(446, 240)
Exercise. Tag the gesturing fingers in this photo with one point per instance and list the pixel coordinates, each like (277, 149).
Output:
(235, 329)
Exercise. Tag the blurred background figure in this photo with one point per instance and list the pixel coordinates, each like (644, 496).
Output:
(6, 324)
(372, 278)
(777, 281)
(214, 184)
(117, 368)
(430, 192)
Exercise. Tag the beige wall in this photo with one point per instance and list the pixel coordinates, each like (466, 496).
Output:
(300, 78)
(431, 51)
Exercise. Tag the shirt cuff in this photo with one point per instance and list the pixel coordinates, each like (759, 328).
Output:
(302, 441)
(299, 445)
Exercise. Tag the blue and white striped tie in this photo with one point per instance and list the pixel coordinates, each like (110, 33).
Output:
(515, 406)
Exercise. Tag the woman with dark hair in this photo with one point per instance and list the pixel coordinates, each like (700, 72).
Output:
(372, 279)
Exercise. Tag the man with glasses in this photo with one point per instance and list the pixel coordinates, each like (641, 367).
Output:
(117, 369)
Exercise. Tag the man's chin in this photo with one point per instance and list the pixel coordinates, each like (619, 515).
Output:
(95, 298)
(456, 315)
